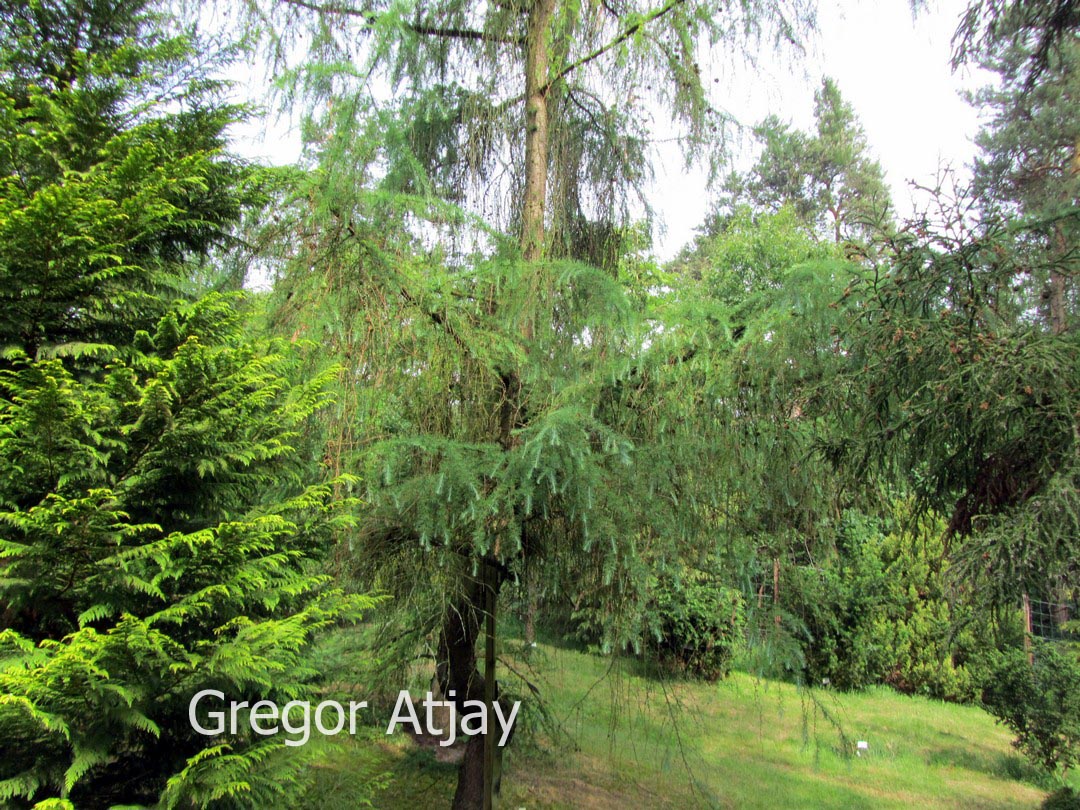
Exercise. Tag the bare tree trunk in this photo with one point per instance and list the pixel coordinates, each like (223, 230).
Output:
(1028, 628)
(776, 589)
(532, 589)
(536, 129)
(1058, 322)
(461, 629)
(490, 598)
(456, 670)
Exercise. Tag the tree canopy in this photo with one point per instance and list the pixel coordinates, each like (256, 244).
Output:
(827, 177)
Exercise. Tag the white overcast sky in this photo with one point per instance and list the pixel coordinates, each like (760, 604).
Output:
(891, 66)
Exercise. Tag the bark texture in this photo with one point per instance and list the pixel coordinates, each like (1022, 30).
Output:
(457, 671)
(537, 67)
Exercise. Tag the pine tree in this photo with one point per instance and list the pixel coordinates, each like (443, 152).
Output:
(1030, 167)
(827, 177)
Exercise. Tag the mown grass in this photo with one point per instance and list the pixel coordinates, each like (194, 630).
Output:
(629, 740)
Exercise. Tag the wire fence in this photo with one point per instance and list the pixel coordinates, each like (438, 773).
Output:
(1048, 619)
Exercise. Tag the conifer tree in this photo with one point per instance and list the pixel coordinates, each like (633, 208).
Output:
(827, 176)
(1030, 167)
(105, 192)
(967, 344)
(158, 524)
(529, 416)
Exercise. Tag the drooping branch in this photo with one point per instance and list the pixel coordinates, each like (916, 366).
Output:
(371, 18)
(988, 24)
(652, 16)
(440, 319)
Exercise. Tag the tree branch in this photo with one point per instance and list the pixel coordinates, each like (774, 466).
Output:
(438, 318)
(625, 35)
(371, 18)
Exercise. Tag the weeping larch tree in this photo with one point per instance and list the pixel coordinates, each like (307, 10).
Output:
(512, 403)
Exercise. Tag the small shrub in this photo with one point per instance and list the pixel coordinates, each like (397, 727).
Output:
(1040, 703)
(878, 610)
(699, 624)
(834, 607)
(1064, 798)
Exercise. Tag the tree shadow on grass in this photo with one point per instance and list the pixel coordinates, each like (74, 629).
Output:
(993, 763)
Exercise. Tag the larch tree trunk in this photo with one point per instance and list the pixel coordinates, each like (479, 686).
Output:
(1058, 320)
(537, 67)
(456, 670)
(532, 605)
(461, 629)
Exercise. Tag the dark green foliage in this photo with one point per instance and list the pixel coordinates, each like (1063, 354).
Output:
(1064, 798)
(973, 403)
(967, 351)
(1040, 702)
(882, 609)
(1043, 27)
(699, 624)
(835, 605)
(827, 177)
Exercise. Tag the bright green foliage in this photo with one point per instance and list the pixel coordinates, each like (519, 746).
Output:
(931, 636)
(155, 542)
(835, 604)
(757, 303)
(742, 258)
(827, 177)
(754, 297)
(112, 173)
(880, 609)
(158, 534)
(1040, 702)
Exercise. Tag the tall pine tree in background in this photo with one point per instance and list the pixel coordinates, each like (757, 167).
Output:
(157, 525)
(827, 176)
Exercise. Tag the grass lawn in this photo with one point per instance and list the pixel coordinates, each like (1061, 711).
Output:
(636, 742)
